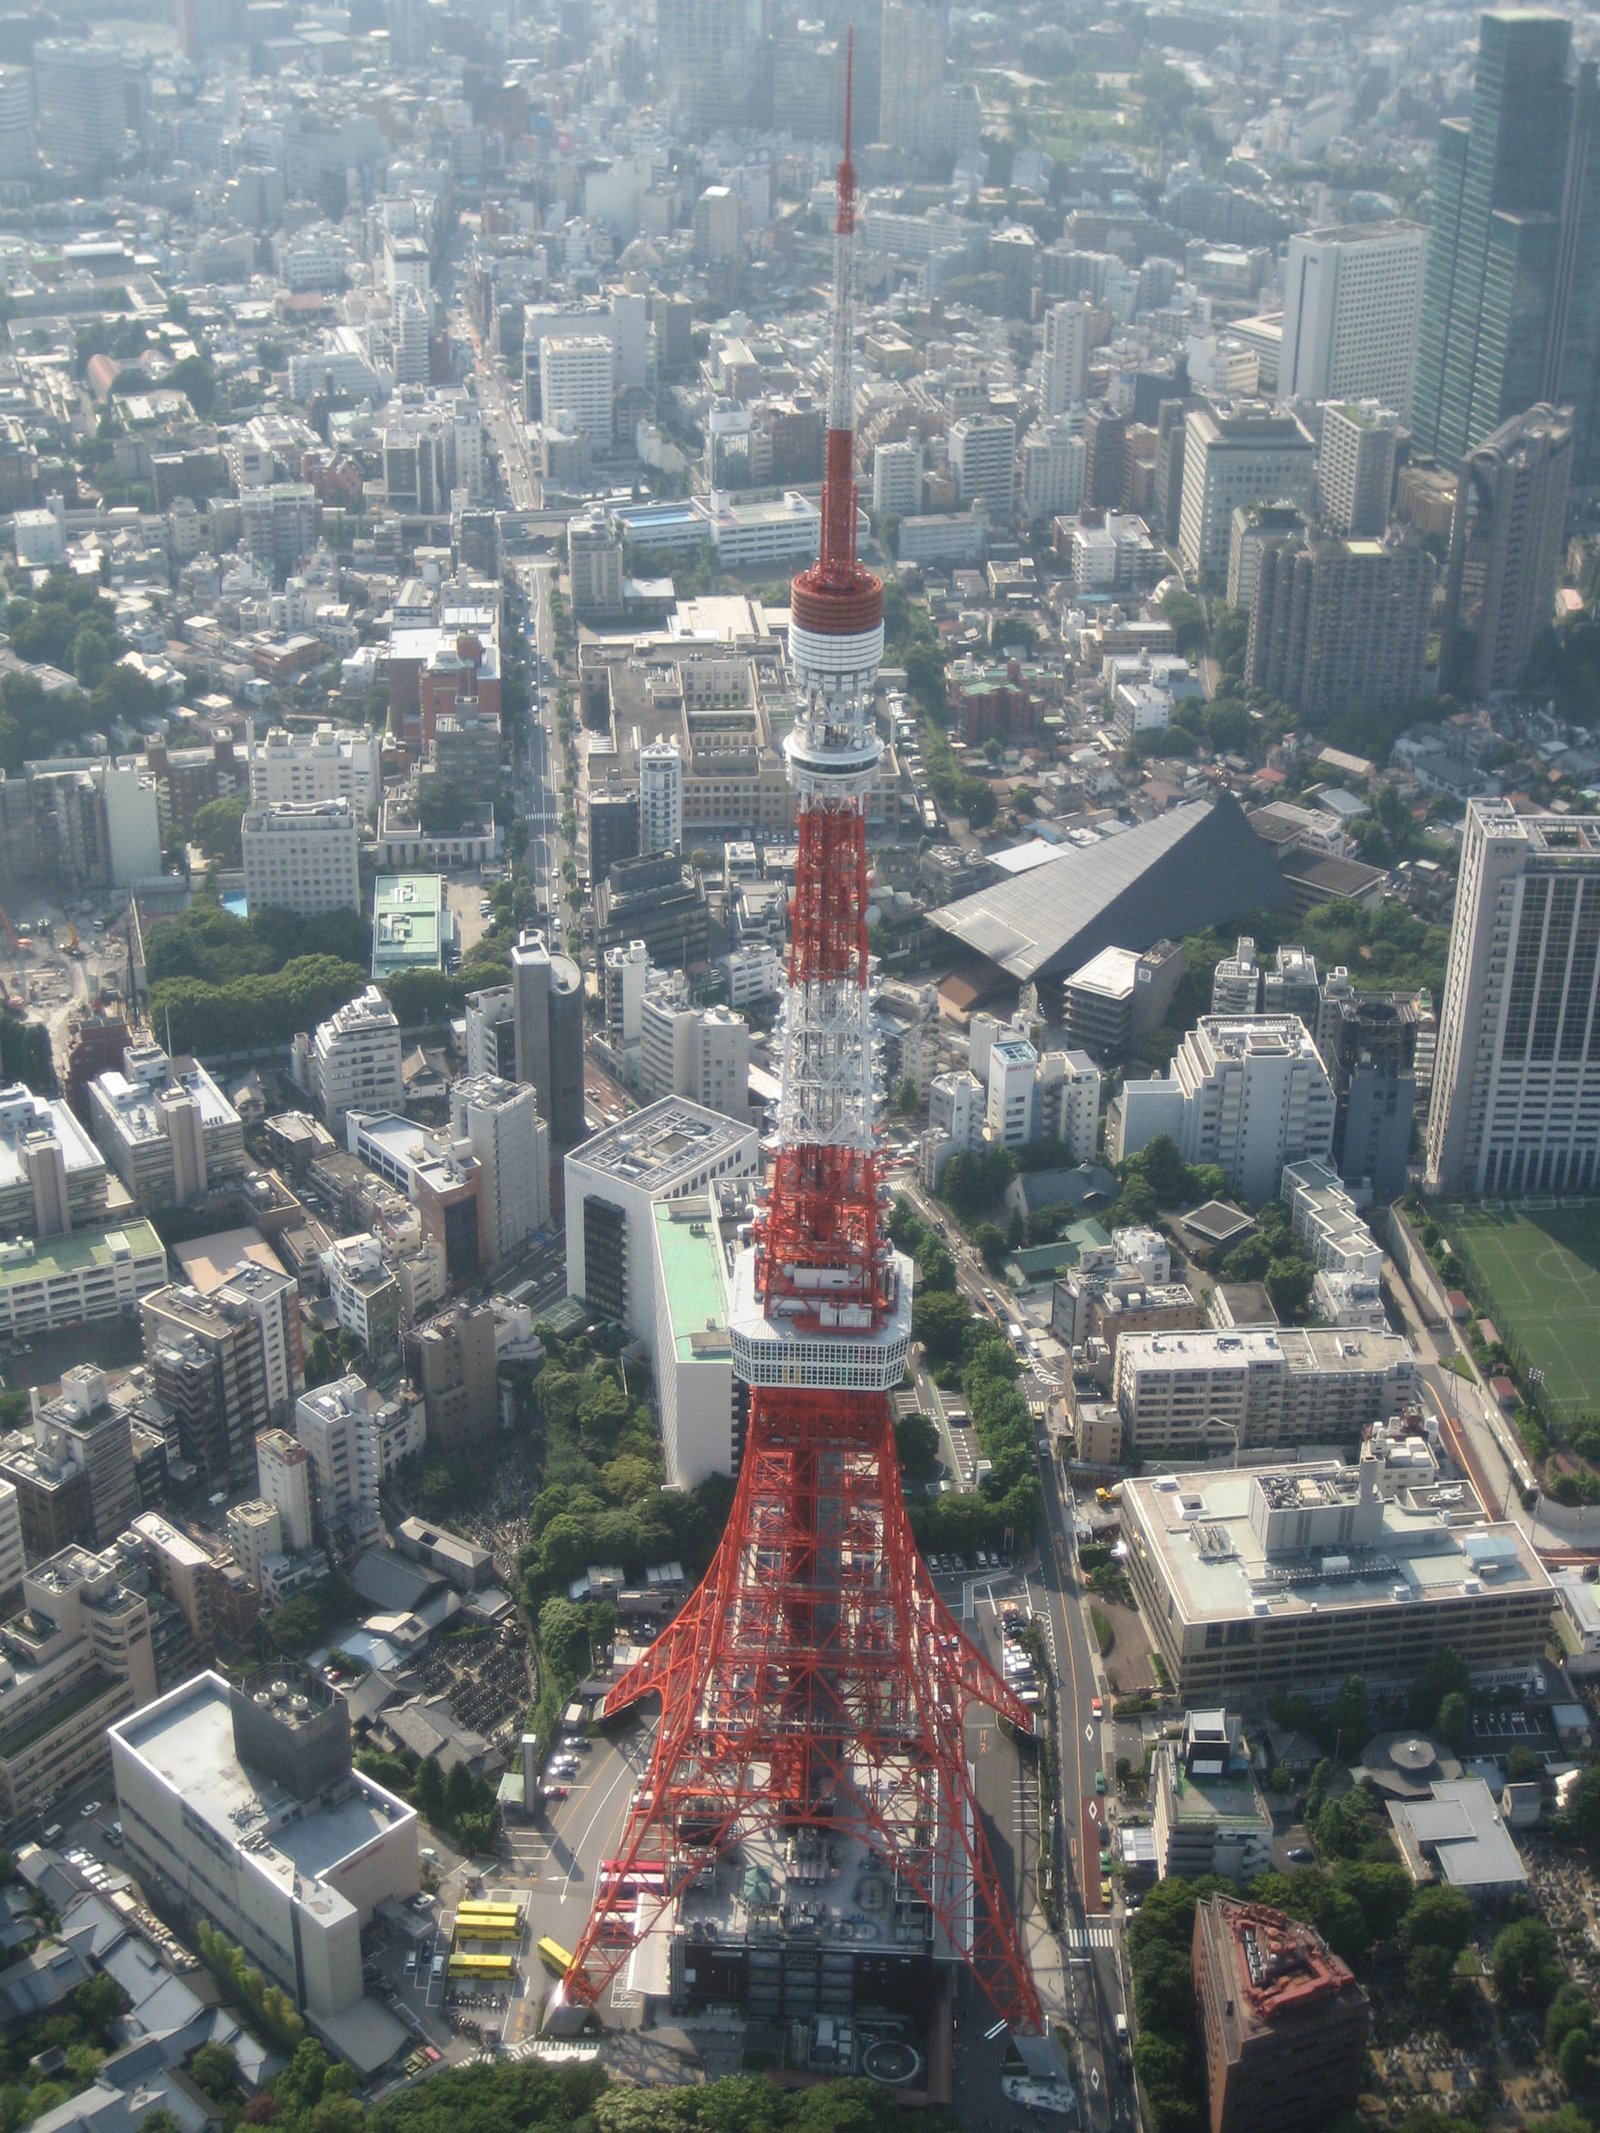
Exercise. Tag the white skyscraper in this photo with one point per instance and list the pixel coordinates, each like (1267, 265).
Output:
(501, 1123)
(1352, 305)
(660, 798)
(1516, 1087)
(577, 378)
(897, 477)
(1066, 356)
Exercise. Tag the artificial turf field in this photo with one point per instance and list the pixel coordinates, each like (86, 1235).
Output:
(1536, 1271)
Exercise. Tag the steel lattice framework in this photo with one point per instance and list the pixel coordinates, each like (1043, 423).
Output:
(815, 1682)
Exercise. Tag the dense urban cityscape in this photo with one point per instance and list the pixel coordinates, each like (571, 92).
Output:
(799, 1067)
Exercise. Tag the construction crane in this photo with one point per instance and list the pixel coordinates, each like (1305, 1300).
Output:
(74, 945)
(19, 947)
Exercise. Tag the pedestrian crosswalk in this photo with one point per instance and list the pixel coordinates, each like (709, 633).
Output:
(1080, 1938)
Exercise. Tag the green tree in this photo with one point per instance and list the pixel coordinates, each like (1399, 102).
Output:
(217, 829)
(916, 1443)
(1454, 1722)
(214, 2069)
(430, 1789)
(1445, 1674)
(1524, 1963)
(1437, 1917)
(940, 1322)
(564, 1639)
(1430, 1972)
(460, 1792)
(1350, 1718)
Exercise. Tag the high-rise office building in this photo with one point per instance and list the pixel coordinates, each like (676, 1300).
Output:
(594, 562)
(1337, 623)
(1351, 305)
(1506, 542)
(1516, 1083)
(1494, 239)
(705, 60)
(577, 385)
(1066, 357)
(912, 74)
(18, 150)
(501, 1124)
(1572, 370)
(302, 859)
(547, 1003)
(1105, 442)
(81, 97)
(1237, 452)
(1355, 468)
(660, 798)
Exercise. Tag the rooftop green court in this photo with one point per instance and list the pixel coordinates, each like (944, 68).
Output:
(1536, 1272)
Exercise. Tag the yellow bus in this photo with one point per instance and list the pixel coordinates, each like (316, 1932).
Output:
(554, 1956)
(486, 1929)
(480, 1966)
(503, 1913)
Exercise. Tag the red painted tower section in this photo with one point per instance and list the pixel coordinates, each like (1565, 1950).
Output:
(814, 1691)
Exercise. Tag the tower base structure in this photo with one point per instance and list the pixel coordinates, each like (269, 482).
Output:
(807, 1832)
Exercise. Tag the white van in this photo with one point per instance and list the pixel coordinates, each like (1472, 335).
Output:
(1122, 2029)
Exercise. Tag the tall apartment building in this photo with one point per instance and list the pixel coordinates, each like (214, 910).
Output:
(577, 385)
(671, 1150)
(1247, 1095)
(278, 525)
(702, 1053)
(1355, 468)
(1237, 452)
(983, 453)
(75, 1657)
(167, 1129)
(547, 1004)
(1495, 254)
(1065, 371)
(660, 798)
(1572, 367)
(1339, 623)
(338, 1430)
(1369, 1043)
(352, 1061)
(1256, 1388)
(80, 95)
(897, 477)
(491, 1034)
(52, 1176)
(1506, 545)
(302, 858)
(72, 1470)
(1052, 473)
(1105, 465)
(227, 1365)
(610, 831)
(1352, 304)
(302, 768)
(1236, 981)
(284, 1472)
(1283, 2023)
(13, 1557)
(453, 1363)
(499, 1121)
(1516, 1084)
(594, 565)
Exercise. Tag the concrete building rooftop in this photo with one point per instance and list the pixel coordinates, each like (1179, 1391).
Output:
(650, 1148)
(695, 1273)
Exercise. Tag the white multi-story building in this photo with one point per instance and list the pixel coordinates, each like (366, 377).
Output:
(1069, 1103)
(72, 1280)
(577, 380)
(1237, 452)
(1328, 1222)
(302, 858)
(12, 1560)
(500, 1122)
(1236, 980)
(1011, 1105)
(983, 453)
(492, 1032)
(594, 566)
(691, 1356)
(670, 1151)
(1249, 1095)
(1516, 1083)
(1355, 468)
(1065, 370)
(283, 1475)
(18, 149)
(1262, 1386)
(338, 1427)
(1209, 1815)
(897, 477)
(956, 1108)
(250, 1812)
(1352, 306)
(702, 1053)
(301, 769)
(1052, 471)
(255, 1536)
(352, 1062)
(660, 797)
(169, 1132)
(363, 1290)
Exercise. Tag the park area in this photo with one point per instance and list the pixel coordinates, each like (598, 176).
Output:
(1536, 1272)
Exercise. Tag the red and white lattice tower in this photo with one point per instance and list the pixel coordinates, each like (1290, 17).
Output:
(814, 1690)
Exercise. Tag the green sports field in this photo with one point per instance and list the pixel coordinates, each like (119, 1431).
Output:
(1536, 1271)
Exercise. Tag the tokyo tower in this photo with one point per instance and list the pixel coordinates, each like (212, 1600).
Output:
(807, 1810)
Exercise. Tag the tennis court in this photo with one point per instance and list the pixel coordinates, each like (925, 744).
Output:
(1536, 1272)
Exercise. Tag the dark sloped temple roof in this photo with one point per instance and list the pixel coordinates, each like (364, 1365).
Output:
(1200, 864)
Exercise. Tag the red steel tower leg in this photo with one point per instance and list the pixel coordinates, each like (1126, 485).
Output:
(815, 1689)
